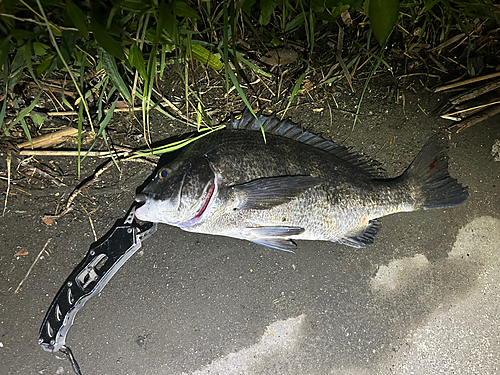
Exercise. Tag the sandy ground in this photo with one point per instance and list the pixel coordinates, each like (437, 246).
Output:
(423, 299)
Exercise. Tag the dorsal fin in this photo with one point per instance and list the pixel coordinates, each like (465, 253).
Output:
(292, 130)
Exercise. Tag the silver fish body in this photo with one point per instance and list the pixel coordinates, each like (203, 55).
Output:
(296, 186)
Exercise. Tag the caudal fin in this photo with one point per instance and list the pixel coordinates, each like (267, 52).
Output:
(429, 171)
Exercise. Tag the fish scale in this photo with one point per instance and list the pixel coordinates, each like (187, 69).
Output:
(294, 186)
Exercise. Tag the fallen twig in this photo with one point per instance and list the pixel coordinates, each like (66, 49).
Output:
(50, 139)
(78, 190)
(473, 120)
(91, 223)
(123, 152)
(338, 53)
(474, 93)
(471, 109)
(56, 181)
(75, 113)
(33, 265)
(99, 154)
(466, 82)
(9, 164)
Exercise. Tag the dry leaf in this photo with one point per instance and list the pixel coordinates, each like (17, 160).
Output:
(346, 17)
(48, 221)
(121, 104)
(22, 252)
(307, 85)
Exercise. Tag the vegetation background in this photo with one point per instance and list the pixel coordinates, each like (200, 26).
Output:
(84, 61)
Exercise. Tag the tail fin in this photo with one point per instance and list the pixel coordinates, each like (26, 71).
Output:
(429, 171)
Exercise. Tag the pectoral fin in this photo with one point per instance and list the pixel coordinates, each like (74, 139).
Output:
(266, 193)
(277, 243)
(275, 237)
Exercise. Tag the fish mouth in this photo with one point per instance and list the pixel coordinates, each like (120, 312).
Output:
(141, 202)
(141, 199)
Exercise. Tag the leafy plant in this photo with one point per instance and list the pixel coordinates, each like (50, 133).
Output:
(136, 42)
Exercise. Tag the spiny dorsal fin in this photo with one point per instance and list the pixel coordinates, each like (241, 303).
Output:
(292, 130)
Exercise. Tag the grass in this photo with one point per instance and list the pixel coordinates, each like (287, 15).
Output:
(141, 43)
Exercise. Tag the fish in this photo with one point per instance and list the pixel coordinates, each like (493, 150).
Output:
(295, 185)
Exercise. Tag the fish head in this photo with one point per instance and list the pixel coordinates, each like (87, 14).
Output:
(179, 194)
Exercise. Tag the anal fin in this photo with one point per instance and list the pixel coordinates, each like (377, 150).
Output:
(362, 238)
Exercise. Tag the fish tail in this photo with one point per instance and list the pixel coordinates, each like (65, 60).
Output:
(429, 173)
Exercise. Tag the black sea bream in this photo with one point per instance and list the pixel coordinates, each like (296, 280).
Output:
(296, 186)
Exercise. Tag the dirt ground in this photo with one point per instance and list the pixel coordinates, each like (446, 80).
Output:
(423, 299)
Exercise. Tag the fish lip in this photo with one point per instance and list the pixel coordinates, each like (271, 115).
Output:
(142, 199)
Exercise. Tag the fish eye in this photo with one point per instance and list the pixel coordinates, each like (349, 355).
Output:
(163, 173)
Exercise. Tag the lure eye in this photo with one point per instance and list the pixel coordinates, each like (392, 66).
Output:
(163, 173)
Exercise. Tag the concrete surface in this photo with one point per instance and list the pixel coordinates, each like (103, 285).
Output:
(423, 299)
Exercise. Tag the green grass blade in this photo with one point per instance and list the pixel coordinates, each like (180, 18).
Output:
(176, 145)
(296, 89)
(375, 66)
(102, 127)
(229, 72)
(240, 57)
(155, 106)
(24, 112)
(3, 111)
(26, 51)
(26, 131)
(54, 44)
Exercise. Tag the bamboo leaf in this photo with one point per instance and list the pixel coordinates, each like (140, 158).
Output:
(204, 56)
(182, 9)
(107, 118)
(40, 49)
(77, 17)
(296, 22)
(109, 65)
(44, 65)
(383, 15)
(266, 10)
(105, 40)
(102, 127)
(137, 61)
